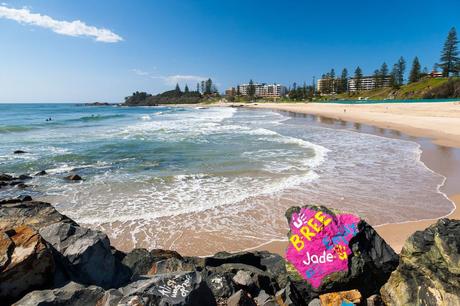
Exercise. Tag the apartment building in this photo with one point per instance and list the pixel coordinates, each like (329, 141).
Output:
(368, 83)
(264, 90)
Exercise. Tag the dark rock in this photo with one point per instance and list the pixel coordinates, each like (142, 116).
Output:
(22, 186)
(85, 254)
(15, 212)
(243, 278)
(263, 299)
(18, 199)
(15, 182)
(240, 298)
(24, 177)
(273, 264)
(170, 265)
(369, 266)
(220, 283)
(19, 152)
(429, 271)
(374, 300)
(261, 280)
(141, 261)
(289, 296)
(72, 294)
(40, 173)
(5, 177)
(26, 263)
(24, 198)
(315, 302)
(73, 177)
(183, 288)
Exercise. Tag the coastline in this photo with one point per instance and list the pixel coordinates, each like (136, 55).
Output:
(415, 120)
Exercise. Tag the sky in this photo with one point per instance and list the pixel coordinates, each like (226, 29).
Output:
(85, 51)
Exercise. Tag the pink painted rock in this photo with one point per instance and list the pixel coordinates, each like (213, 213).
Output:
(333, 251)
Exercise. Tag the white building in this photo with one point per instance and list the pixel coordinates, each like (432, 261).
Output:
(264, 90)
(368, 83)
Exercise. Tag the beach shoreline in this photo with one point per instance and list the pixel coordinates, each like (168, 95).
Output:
(415, 120)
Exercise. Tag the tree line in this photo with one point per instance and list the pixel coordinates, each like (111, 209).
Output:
(449, 65)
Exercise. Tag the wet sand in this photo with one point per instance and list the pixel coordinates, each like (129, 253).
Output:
(435, 126)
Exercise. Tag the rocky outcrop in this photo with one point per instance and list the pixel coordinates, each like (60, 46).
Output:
(71, 265)
(429, 272)
(26, 262)
(367, 267)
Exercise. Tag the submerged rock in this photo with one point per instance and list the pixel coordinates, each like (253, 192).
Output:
(73, 177)
(337, 252)
(429, 272)
(40, 173)
(19, 152)
(26, 263)
(5, 177)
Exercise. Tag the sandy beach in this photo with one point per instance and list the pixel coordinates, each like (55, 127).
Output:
(438, 122)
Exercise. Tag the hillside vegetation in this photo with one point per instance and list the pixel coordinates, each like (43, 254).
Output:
(427, 88)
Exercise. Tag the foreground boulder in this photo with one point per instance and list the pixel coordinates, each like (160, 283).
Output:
(183, 288)
(23, 211)
(331, 252)
(429, 272)
(72, 294)
(85, 255)
(26, 263)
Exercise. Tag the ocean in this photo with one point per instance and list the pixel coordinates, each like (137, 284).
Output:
(203, 180)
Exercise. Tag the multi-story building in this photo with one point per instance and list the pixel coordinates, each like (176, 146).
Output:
(264, 90)
(368, 83)
(327, 85)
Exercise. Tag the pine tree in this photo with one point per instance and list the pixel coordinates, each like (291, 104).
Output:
(343, 81)
(251, 89)
(415, 73)
(177, 90)
(383, 74)
(358, 78)
(376, 78)
(394, 76)
(198, 87)
(186, 90)
(450, 61)
(401, 69)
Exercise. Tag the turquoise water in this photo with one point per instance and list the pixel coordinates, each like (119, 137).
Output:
(203, 180)
(391, 101)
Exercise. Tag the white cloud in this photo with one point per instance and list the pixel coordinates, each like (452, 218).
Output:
(140, 72)
(174, 79)
(69, 28)
(171, 79)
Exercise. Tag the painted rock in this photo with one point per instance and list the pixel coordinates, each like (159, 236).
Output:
(331, 251)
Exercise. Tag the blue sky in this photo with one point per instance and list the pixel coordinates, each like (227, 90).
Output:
(123, 46)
